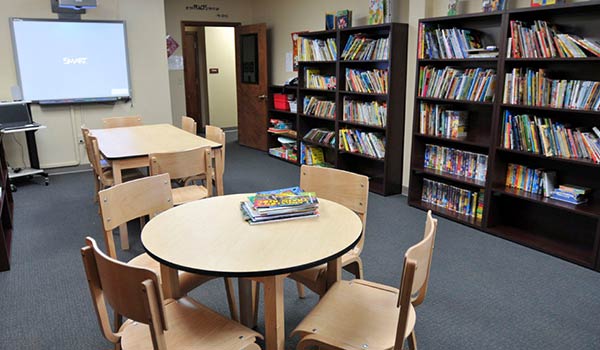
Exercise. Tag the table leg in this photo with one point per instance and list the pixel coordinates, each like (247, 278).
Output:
(219, 166)
(274, 319)
(170, 282)
(246, 301)
(334, 271)
(117, 175)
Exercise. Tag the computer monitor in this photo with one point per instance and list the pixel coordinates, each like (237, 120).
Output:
(14, 114)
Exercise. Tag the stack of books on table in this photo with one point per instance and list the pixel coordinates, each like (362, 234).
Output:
(571, 194)
(280, 205)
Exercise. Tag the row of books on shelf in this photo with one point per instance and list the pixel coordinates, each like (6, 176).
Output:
(279, 205)
(361, 47)
(455, 199)
(544, 182)
(319, 106)
(439, 43)
(316, 49)
(438, 120)
(314, 80)
(322, 136)
(457, 162)
(472, 84)
(370, 81)
(312, 155)
(541, 40)
(367, 143)
(532, 87)
(369, 113)
(552, 139)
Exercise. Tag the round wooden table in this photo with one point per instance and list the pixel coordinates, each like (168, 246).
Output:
(210, 237)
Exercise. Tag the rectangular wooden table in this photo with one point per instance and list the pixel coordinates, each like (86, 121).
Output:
(129, 147)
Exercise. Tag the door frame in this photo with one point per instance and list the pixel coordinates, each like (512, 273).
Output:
(184, 24)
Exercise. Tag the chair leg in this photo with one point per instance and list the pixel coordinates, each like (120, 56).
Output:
(96, 185)
(300, 288)
(355, 268)
(412, 341)
(229, 289)
(255, 300)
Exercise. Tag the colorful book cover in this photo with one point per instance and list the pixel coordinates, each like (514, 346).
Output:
(376, 11)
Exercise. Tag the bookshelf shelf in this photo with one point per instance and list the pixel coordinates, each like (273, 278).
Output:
(589, 209)
(582, 162)
(448, 214)
(568, 231)
(310, 90)
(284, 134)
(362, 155)
(316, 117)
(362, 61)
(316, 62)
(447, 176)
(461, 141)
(317, 144)
(552, 109)
(352, 93)
(280, 112)
(285, 160)
(361, 125)
(450, 101)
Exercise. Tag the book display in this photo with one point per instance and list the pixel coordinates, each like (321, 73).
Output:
(279, 205)
(528, 110)
(350, 110)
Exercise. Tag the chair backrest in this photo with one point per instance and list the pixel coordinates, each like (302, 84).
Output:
(183, 165)
(85, 132)
(414, 276)
(422, 278)
(216, 134)
(95, 158)
(188, 124)
(133, 292)
(133, 199)
(348, 189)
(120, 122)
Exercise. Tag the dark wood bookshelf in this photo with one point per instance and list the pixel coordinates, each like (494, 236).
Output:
(385, 174)
(6, 212)
(283, 159)
(280, 111)
(314, 143)
(567, 231)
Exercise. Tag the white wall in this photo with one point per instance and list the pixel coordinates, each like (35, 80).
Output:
(222, 94)
(240, 11)
(58, 145)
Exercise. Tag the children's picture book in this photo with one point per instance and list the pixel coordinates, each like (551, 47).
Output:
(536, 3)
(330, 21)
(452, 7)
(344, 19)
(377, 11)
(493, 5)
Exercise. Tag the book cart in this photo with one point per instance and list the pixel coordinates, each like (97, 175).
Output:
(568, 231)
(383, 169)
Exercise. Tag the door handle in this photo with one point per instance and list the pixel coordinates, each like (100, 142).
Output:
(262, 97)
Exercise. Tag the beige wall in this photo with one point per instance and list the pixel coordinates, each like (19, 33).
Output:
(222, 97)
(59, 144)
(240, 11)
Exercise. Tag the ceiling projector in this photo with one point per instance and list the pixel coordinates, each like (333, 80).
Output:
(77, 4)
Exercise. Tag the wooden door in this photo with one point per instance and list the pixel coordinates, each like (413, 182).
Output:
(192, 76)
(251, 62)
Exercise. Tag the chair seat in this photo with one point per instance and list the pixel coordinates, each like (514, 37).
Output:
(315, 278)
(127, 175)
(187, 280)
(188, 193)
(363, 314)
(191, 326)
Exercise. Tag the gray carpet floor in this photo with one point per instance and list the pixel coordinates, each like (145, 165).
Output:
(485, 292)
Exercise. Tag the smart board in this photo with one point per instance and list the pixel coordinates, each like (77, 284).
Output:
(71, 61)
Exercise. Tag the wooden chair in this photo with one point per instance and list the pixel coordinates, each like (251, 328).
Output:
(365, 315)
(105, 177)
(348, 189)
(135, 293)
(216, 134)
(121, 122)
(104, 164)
(186, 165)
(147, 196)
(188, 124)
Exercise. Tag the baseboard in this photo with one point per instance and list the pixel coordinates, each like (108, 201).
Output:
(405, 191)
